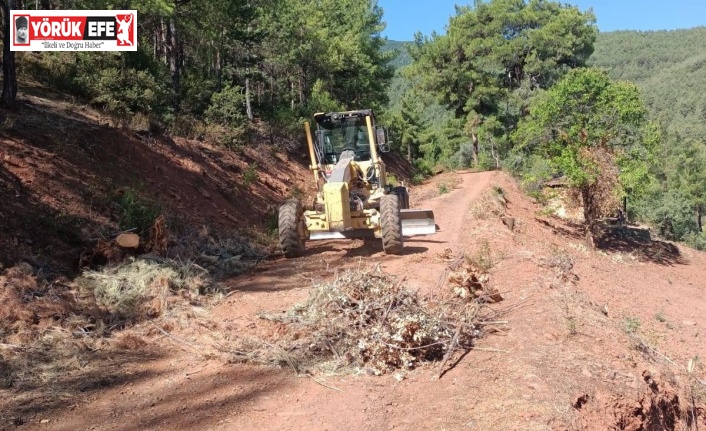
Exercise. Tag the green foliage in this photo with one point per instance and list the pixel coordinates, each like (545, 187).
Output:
(402, 57)
(392, 180)
(125, 93)
(417, 179)
(272, 223)
(250, 175)
(135, 212)
(534, 169)
(443, 188)
(695, 240)
(227, 107)
(287, 58)
(495, 56)
(671, 212)
(123, 84)
(595, 132)
(321, 100)
(632, 324)
(667, 66)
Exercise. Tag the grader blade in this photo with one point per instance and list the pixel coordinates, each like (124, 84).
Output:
(417, 222)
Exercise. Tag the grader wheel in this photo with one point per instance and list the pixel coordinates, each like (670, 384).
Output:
(391, 224)
(404, 196)
(291, 229)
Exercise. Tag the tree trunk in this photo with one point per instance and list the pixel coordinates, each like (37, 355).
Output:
(409, 152)
(699, 215)
(474, 138)
(173, 56)
(219, 70)
(496, 155)
(587, 200)
(248, 108)
(292, 93)
(301, 90)
(9, 80)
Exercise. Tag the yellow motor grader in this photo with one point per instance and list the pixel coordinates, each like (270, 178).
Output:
(354, 199)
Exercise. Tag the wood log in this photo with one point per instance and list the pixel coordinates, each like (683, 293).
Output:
(128, 240)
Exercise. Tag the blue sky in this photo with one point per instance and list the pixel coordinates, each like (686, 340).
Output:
(405, 17)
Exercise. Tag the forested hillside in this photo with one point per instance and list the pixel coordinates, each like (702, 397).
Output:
(466, 98)
(670, 69)
(209, 67)
(399, 49)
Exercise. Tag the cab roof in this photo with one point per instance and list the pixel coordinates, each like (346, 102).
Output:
(322, 117)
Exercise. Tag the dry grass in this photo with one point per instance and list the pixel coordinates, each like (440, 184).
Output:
(493, 203)
(52, 330)
(139, 289)
(366, 321)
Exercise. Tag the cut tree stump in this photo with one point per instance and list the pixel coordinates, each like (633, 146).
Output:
(128, 240)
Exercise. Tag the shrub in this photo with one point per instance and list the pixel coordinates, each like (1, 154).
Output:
(250, 175)
(417, 179)
(697, 241)
(227, 107)
(136, 212)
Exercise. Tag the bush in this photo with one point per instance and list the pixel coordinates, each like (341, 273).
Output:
(486, 161)
(123, 93)
(250, 175)
(57, 70)
(196, 94)
(465, 155)
(136, 212)
(417, 179)
(227, 107)
(697, 241)
(123, 84)
(534, 170)
(672, 213)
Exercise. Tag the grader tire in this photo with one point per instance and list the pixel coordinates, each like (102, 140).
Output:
(391, 224)
(290, 229)
(404, 196)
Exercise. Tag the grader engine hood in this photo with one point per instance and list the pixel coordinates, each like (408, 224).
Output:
(337, 193)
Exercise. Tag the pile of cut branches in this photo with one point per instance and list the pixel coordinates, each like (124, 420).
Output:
(369, 321)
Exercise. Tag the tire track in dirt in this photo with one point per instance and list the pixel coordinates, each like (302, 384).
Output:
(557, 345)
(418, 263)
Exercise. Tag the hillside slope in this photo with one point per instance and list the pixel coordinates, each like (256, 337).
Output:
(578, 344)
(668, 66)
(574, 338)
(670, 69)
(67, 179)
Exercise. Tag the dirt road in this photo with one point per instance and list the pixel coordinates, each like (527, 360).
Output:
(560, 344)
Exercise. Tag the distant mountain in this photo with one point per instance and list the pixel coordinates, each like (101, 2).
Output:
(668, 66)
(670, 69)
(403, 59)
